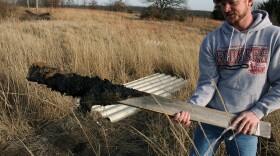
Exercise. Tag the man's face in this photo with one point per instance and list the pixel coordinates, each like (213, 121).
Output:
(235, 11)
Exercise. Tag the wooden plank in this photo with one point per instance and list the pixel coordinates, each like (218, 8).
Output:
(198, 113)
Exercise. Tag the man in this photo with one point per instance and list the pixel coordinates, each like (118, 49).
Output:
(241, 58)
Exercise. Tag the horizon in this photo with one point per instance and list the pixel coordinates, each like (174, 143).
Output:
(191, 4)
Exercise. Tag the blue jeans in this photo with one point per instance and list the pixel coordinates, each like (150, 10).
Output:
(241, 145)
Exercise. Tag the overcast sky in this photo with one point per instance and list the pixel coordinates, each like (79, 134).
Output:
(207, 5)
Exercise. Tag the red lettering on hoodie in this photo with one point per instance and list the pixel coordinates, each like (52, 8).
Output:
(255, 57)
(263, 55)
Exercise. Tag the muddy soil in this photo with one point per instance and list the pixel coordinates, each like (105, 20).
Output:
(91, 90)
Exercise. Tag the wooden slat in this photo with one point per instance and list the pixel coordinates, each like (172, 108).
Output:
(198, 113)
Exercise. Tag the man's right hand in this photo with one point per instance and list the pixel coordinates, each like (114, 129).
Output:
(183, 118)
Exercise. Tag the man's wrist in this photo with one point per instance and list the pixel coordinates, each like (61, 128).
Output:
(258, 112)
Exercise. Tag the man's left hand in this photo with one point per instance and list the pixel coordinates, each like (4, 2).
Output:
(246, 122)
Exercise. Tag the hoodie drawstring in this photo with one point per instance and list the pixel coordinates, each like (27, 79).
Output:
(230, 44)
(243, 52)
(230, 41)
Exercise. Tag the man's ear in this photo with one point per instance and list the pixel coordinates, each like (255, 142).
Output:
(250, 2)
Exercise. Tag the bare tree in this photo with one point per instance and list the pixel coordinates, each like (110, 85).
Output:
(26, 3)
(67, 3)
(37, 4)
(52, 3)
(163, 5)
(166, 9)
(93, 4)
(273, 9)
(119, 5)
(85, 3)
(28, 6)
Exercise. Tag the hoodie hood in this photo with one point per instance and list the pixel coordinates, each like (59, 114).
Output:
(261, 21)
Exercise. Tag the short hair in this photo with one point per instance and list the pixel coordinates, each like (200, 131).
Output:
(216, 1)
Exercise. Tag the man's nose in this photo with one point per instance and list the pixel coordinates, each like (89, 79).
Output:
(227, 7)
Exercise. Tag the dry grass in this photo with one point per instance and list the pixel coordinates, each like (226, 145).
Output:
(115, 46)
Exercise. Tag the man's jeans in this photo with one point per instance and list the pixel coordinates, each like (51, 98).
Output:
(241, 145)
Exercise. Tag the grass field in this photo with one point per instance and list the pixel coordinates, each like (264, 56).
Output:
(116, 46)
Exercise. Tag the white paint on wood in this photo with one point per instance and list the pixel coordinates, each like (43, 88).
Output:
(198, 113)
(158, 84)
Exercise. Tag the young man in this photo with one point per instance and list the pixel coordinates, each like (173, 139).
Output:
(241, 58)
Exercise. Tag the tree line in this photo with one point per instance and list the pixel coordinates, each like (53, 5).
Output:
(160, 9)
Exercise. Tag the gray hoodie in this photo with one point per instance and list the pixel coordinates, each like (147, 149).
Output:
(242, 66)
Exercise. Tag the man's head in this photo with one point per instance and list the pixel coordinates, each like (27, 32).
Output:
(216, 1)
(235, 11)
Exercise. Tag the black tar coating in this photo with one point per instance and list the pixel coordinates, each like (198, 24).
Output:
(91, 90)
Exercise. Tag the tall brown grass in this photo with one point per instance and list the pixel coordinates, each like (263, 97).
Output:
(115, 46)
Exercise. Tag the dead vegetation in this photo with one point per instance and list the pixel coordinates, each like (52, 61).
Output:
(7, 10)
(38, 121)
(29, 15)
